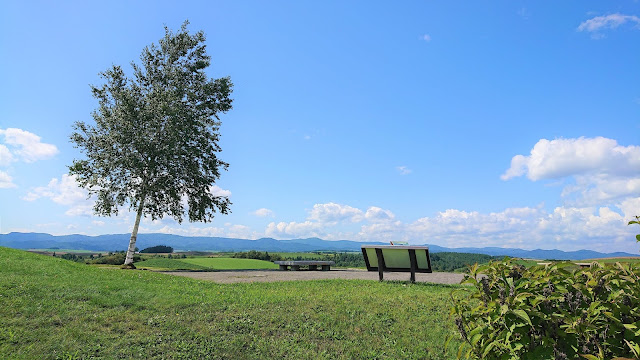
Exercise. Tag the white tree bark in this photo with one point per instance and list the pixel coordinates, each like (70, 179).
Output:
(128, 261)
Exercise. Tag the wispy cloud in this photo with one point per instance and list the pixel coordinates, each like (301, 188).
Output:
(426, 37)
(6, 181)
(64, 192)
(612, 21)
(403, 170)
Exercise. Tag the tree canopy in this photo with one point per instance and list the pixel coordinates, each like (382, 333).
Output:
(154, 146)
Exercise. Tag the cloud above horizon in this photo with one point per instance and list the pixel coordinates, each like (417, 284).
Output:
(20, 145)
(64, 191)
(263, 212)
(601, 170)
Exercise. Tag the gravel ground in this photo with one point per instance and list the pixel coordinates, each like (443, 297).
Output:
(277, 275)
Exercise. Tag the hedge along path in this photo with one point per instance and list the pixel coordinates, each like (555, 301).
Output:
(226, 277)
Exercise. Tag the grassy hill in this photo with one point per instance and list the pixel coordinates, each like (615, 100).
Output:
(52, 308)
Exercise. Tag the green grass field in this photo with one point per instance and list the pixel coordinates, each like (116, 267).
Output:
(168, 264)
(219, 263)
(56, 309)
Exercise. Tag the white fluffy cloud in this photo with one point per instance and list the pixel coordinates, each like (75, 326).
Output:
(6, 181)
(17, 144)
(552, 159)
(64, 191)
(376, 214)
(5, 156)
(294, 229)
(218, 191)
(25, 146)
(263, 212)
(602, 171)
(611, 21)
(601, 228)
(333, 213)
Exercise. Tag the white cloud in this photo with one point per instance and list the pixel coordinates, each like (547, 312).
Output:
(601, 228)
(64, 192)
(98, 222)
(602, 170)
(26, 146)
(376, 214)
(294, 229)
(611, 21)
(5, 156)
(333, 213)
(426, 37)
(404, 170)
(218, 191)
(6, 181)
(263, 212)
(564, 157)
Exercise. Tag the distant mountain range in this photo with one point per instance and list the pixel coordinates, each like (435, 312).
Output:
(120, 242)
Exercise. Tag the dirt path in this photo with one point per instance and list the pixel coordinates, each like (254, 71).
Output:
(276, 275)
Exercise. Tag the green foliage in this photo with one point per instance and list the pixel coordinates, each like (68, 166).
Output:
(258, 255)
(116, 258)
(158, 249)
(72, 257)
(558, 311)
(155, 138)
(454, 261)
(636, 221)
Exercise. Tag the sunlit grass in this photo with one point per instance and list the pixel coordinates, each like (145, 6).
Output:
(220, 263)
(52, 308)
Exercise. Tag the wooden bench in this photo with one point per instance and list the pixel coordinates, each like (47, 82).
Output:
(394, 258)
(312, 264)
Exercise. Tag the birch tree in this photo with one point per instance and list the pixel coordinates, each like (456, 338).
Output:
(154, 145)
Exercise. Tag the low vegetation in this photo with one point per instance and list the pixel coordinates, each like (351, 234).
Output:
(558, 311)
(56, 309)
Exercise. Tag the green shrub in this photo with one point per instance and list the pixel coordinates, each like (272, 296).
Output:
(558, 311)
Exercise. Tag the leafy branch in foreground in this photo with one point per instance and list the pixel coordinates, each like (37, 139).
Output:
(636, 221)
(155, 140)
(557, 311)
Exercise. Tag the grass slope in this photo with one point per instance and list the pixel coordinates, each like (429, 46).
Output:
(168, 264)
(52, 308)
(219, 263)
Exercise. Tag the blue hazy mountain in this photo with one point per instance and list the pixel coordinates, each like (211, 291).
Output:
(115, 242)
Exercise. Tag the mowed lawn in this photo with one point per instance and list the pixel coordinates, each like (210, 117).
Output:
(52, 308)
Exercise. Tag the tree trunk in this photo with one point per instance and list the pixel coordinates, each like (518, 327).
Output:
(128, 261)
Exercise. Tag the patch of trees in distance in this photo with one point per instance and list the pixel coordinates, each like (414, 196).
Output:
(158, 249)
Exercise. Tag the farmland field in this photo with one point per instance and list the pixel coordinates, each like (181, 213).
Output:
(53, 308)
(220, 263)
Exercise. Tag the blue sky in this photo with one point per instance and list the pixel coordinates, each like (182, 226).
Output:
(506, 123)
